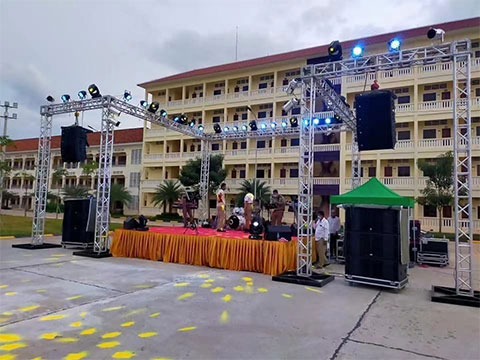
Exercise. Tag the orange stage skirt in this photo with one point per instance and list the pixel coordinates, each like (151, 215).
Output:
(268, 257)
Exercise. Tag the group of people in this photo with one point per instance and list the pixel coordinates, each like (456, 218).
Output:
(326, 232)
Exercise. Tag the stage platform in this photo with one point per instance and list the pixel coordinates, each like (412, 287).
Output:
(231, 250)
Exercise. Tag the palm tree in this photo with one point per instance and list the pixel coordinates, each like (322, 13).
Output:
(248, 186)
(26, 179)
(75, 191)
(167, 193)
(7, 196)
(57, 175)
(118, 193)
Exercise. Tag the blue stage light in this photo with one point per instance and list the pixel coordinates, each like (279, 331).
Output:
(284, 124)
(244, 127)
(127, 95)
(226, 129)
(176, 118)
(394, 44)
(65, 98)
(305, 122)
(82, 95)
(273, 125)
(357, 51)
(235, 128)
(163, 113)
(316, 121)
(143, 103)
(263, 126)
(328, 121)
(200, 128)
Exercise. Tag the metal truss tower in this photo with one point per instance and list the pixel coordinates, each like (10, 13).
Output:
(204, 181)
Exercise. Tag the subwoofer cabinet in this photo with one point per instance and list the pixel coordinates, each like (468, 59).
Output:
(78, 228)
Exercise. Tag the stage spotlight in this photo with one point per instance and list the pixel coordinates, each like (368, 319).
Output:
(394, 45)
(290, 104)
(335, 51)
(217, 128)
(436, 34)
(183, 119)
(293, 122)
(94, 92)
(191, 123)
(82, 95)
(253, 125)
(263, 126)
(357, 51)
(235, 129)
(200, 128)
(226, 129)
(293, 84)
(142, 222)
(50, 99)
(273, 125)
(127, 95)
(256, 228)
(328, 121)
(143, 104)
(316, 121)
(305, 122)
(284, 124)
(163, 113)
(153, 108)
(244, 127)
(65, 98)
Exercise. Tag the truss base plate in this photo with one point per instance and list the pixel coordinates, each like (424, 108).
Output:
(448, 295)
(92, 254)
(36, 247)
(316, 279)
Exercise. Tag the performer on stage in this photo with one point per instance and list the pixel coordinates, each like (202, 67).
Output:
(321, 237)
(334, 226)
(247, 208)
(277, 213)
(186, 211)
(221, 208)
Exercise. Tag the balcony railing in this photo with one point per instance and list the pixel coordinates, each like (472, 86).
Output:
(215, 99)
(398, 181)
(174, 155)
(262, 92)
(401, 108)
(360, 78)
(326, 181)
(291, 182)
(326, 147)
(191, 155)
(435, 105)
(388, 74)
(259, 152)
(238, 96)
(404, 144)
(153, 157)
(151, 184)
(241, 152)
(193, 101)
(174, 103)
(434, 223)
(427, 143)
(287, 150)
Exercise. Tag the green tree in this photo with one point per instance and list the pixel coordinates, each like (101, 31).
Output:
(118, 193)
(7, 196)
(248, 186)
(438, 191)
(89, 168)
(166, 194)
(57, 176)
(75, 191)
(27, 178)
(190, 174)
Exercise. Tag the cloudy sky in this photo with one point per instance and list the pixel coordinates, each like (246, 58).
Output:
(61, 46)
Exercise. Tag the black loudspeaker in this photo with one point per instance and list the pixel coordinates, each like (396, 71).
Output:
(372, 244)
(375, 112)
(131, 224)
(78, 225)
(74, 143)
(277, 232)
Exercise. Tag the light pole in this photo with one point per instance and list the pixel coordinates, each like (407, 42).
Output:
(6, 116)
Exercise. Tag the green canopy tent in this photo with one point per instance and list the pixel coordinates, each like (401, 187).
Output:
(373, 192)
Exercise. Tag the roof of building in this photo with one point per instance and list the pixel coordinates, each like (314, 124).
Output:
(123, 136)
(322, 49)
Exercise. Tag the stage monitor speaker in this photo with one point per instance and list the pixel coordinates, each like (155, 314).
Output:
(277, 232)
(131, 224)
(79, 221)
(74, 143)
(375, 112)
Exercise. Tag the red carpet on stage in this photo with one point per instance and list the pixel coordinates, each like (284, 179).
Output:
(231, 250)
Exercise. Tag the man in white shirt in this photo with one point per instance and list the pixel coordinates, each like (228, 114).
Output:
(221, 208)
(334, 223)
(322, 233)
(247, 209)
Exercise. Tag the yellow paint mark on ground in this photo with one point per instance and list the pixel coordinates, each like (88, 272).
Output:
(288, 296)
(59, 255)
(188, 328)
(224, 317)
(3, 286)
(209, 280)
(205, 285)
(227, 298)
(26, 280)
(14, 346)
(10, 293)
(53, 317)
(83, 314)
(5, 338)
(217, 289)
(73, 261)
(7, 237)
(111, 335)
(250, 283)
(88, 331)
(76, 356)
(239, 288)
(28, 308)
(127, 324)
(314, 290)
(262, 290)
(4, 319)
(147, 334)
(7, 313)
(37, 358)
(8, 357)
(123, 355)
(41, 290)
(185, 296)
(67, 340)
(74, 297)
(113, 308)
(50, 336)
(143, 286)
(134, 312)
(76, 324)
(203, 276)
(155, 314)
(246, 278)
(181, 284)
(108, 344)
(59, 264)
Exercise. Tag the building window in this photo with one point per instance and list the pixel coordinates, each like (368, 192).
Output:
(477, 130)
(192, 147)
(477, 92)
(446, 133)
(283, 173)
(296, 111)
(134, 180)
(121, 160)
(235, 117)
(234, 174)
(404, 99)
(262, 85)
(294, 173)
(242, 174)
(429, 133)
(235, 145)
(262, 114)
(215, 147)
(447, 211)
(403, 171)
(372, 171)
(388, 171)
(283, 142)
(429, 211)
(446, 95)
(430, 97)
(217, 92)
(260, 144)
(294, 142)
(243, 145)
(244, 116)
(403, 135)
(260, 173)
(245, 88)
(216, 119)
(137, 156)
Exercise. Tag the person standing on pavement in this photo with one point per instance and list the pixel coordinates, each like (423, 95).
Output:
(221, 208)
(334, 228)
(322, 233)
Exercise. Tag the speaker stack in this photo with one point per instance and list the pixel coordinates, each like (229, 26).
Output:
(78, 226)
(74, 143)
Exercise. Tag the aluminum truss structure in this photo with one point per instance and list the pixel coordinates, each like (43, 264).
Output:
(204, 181)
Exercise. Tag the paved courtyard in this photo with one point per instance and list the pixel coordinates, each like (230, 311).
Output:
(57, 306)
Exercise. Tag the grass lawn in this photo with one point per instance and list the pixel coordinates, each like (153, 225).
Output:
(20, 226)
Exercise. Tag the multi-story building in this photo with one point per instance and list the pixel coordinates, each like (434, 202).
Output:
(127, 162)
(221, 94)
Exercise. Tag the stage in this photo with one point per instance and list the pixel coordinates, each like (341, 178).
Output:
(231, 250)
